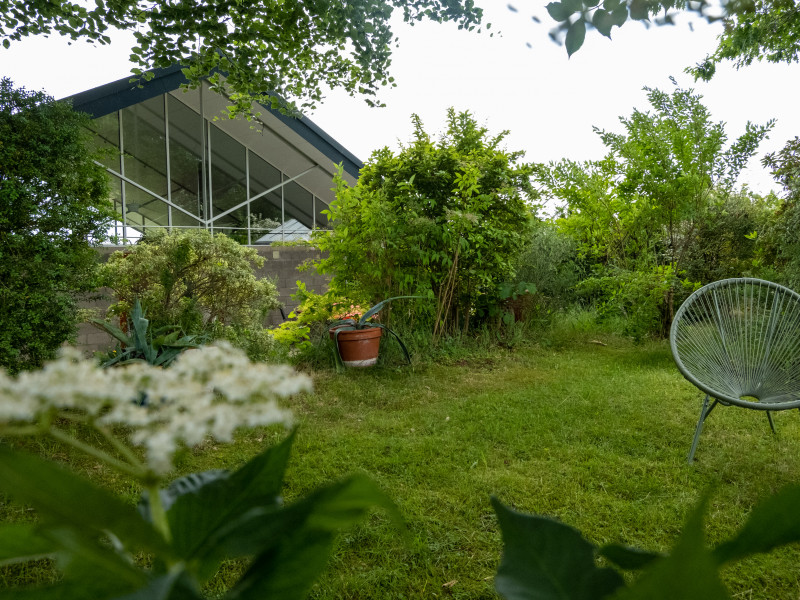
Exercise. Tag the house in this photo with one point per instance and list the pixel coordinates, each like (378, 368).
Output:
(175, 161)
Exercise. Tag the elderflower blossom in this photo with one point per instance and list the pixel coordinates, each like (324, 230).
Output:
(210, 391)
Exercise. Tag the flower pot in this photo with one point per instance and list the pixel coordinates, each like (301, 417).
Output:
(358, 347)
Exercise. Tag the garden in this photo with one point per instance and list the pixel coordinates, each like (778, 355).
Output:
(522, 431)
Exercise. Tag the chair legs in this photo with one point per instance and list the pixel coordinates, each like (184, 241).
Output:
(704, 412)
(771, 424)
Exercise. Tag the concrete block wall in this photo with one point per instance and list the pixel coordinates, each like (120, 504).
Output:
(281, 264)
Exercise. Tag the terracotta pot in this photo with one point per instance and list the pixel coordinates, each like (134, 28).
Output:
(359, 347)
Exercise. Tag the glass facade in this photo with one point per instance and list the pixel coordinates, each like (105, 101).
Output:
(171, 168)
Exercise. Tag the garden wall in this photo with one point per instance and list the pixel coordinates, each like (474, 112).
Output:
(281, 263)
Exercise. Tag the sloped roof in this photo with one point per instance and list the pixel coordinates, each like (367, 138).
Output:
(122, 93)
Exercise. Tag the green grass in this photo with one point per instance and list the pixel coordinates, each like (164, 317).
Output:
(594, 435)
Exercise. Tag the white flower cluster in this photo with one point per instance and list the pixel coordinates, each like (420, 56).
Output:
(210, 391)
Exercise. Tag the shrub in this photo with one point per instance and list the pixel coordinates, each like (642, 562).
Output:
(443, 220)
(53, 206)
(200, 282)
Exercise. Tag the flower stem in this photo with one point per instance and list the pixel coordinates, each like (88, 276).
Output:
(120, 447)
(117, 464)
(157, 512)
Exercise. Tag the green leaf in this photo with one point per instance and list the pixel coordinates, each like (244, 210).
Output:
(175, 585)
(575, 36)
(112, 330)
(603, 21)
(64, 498)
(6, 44)
(22, 542)
(628, 558)
(198, 516)
(558, 11)
(545, 559)
(773, 522)
(290, 562)
(689, 572)
(379, 306)
(619, 15)
(638, 10)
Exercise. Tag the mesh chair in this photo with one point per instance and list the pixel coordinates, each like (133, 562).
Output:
(738, 340)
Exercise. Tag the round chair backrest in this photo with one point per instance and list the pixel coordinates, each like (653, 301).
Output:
(738, 340)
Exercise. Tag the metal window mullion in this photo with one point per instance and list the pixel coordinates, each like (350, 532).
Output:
(204, 155)
(210, 181)
(147, 191)
(247, 192)
(283, 208)
(169, 173)
(281, 184)
(122, 183)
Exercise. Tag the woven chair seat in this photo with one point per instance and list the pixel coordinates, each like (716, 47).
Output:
(738, 340)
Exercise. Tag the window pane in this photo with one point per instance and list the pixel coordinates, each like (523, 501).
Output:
(106, 139)
(185, 159)
(144, 143)
(228, 183)
(263, 176)
(298, 212)
(144, 209)
(320, 219)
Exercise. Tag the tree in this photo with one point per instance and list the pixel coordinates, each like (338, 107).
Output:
(671, 161)
(440, 219)
(267, 49)
(754, 29)
(637, 214)
(53, 207)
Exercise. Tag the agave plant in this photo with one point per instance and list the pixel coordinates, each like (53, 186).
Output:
(141, 345)
(352, 324)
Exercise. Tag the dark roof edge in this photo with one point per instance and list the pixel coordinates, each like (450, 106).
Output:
(119, 94)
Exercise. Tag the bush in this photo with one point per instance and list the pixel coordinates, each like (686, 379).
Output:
(443, 220)
(200, 282)
(53, 207)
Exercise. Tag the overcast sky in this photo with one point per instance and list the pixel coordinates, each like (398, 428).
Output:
(519, 81)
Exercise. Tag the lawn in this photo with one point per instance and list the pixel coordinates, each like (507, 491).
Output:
(596, 436)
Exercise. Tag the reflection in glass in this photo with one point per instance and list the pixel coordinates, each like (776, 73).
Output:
(185, 160)
(320, 220)
(106, 139)
(298, 204)
(228, 180)
(144, 145)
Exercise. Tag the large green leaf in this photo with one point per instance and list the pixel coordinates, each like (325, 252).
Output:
(22, 542)
(773, 523)
(688, 573)
(297, 541)
(197, 516)
(547, 560)
(64, 498)
(172, 586)
(628, 558)
(575, 36)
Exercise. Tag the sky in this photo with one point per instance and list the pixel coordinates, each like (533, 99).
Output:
(518, 81)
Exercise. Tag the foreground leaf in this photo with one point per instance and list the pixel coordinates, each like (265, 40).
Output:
(774, 522)
(688, 573)
(64, 498)
(545, 559)
(20, 543)
(297, 541)
(198, 516)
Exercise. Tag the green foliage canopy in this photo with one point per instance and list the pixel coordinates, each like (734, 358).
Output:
(441, 219)
(53, 207)
(754, 29)
(637, 214)
(269, 49)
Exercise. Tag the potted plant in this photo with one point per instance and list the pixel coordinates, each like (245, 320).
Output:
(356, 341)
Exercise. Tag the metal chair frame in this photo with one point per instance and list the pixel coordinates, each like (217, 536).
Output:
(738, 340)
